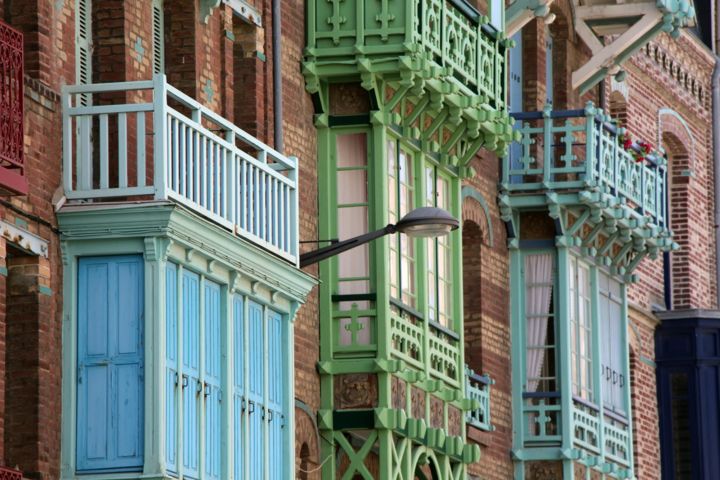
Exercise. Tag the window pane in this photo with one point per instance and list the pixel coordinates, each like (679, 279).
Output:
(351, 150)
(351, 186)
(392, 182)
(538, 273)
(352, 221)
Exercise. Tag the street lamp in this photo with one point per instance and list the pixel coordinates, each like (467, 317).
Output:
(423, 222)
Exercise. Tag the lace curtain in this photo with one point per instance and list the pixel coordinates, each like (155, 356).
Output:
(538, 292)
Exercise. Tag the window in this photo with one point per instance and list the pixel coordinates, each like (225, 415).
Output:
(110, 391)
(401, 186)
(540, 325)
(352, 211)
(198, 312)
(580, 329)
(549, 67)
(439, 253)
(497, 14)
(611, 369)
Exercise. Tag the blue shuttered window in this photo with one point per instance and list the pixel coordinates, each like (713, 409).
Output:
(276, 396)
(110, 364)
(171, 369)
(256, 392)
(239, 401)
(211, 391)
(196, 310)
(191, 386)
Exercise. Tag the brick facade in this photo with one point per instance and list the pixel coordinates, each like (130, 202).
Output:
(227, 65)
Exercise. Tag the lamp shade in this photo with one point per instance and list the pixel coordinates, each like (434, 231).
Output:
(427, 222)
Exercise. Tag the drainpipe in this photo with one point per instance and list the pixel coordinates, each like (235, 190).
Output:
(716, 165)
(277, 74)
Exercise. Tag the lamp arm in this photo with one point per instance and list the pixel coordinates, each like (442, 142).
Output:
(337, 248)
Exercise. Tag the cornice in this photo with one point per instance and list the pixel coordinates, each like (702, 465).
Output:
(182, 227)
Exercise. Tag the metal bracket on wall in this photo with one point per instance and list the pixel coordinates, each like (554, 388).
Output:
(23, 239)
(244, 10)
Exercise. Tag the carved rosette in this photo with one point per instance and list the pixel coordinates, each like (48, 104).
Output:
(436, 413)
(543, 470)
(418, 403)
(358, 390)
(399, 393)
(454, 421)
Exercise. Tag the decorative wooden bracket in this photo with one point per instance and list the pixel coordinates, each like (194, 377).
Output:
(633, 24)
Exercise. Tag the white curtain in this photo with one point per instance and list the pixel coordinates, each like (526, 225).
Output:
(538, 292)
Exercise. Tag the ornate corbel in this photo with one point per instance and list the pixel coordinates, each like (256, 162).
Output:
(206, 8)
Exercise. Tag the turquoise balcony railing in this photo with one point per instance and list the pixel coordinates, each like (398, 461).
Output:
(146, 140)
(477, 388)
(583, 150)
(594, 430)
(450, 37)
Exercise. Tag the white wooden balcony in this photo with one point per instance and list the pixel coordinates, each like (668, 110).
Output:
(147, 141)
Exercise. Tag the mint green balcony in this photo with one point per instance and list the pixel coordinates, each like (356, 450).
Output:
(581, 150)
(442, 58)
(608, 436)
(147, 141)
(477, 389)
(448, 39)
(575, 160)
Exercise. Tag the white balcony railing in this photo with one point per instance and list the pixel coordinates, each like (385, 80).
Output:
(147, 140)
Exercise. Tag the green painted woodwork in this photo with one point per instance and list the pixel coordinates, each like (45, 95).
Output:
(432, 66)
(559, 425)
(602, 200)
(477, 389)
(162, 233)
(609, 212)
(366, 330)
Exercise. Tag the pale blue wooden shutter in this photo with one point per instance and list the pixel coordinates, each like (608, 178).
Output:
(239, 403)
(110, 419)
(256, 398)
(191, 387)
(276, 396)
(171, 375)
(516, 99)
(212, 392)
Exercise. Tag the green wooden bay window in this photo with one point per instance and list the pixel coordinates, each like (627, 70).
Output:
(570, 319)
(205, 317)
(390, 310)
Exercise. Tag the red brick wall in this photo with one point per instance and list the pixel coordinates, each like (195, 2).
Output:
(487, 315)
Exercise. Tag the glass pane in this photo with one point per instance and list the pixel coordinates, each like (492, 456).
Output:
(680, 412)
(351, 186)
(430, 187)
(352, 221)
(392, 183)
(361, 327)
(351, 287)
(351, 150)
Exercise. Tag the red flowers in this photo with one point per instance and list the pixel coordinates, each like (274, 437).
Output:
(639, 150)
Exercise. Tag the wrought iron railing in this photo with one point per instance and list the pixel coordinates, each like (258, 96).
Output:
(583, 150)
(451, 34)
(12, 159)
(148, 140)
(477, 388)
